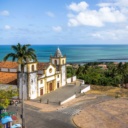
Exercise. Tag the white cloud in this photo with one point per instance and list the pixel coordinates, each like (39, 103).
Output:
(117, 34)
(57, 28)
(127, 27)
(50, 14)
(120, 3)
(105, 4)
(7, 27)
(82, 6)
(4, 13)
(83, 16)
(97, 35)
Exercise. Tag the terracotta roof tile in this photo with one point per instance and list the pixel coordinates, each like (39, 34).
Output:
(41, 66)
(8, 78)
(8, 64)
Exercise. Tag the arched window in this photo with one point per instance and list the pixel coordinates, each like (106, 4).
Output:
(32, 68)
(41, 81)
(62, 61)
(50, 70)
(55, 62)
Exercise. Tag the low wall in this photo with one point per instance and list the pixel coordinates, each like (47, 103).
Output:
(6, 86)
(74, 78)
(71, 79)
(67, 100)
(86, 89)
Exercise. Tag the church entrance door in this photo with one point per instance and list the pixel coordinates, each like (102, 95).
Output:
(50, 87)
(41, 91)
(57, 85)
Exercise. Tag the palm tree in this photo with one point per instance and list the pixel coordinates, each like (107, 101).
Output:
(22, 54)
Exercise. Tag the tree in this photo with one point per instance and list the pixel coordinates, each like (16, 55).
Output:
(22, 54)
(123, 71)
(5, 96)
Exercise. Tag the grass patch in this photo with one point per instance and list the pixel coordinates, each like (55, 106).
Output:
(108, 90)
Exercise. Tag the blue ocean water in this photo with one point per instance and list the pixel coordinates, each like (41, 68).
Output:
(78, 53)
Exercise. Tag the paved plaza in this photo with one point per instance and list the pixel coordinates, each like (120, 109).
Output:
(86, 111)
(61, 94)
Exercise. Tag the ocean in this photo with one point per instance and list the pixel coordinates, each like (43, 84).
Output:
(77, 53)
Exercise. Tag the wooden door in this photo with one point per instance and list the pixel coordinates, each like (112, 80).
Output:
(57, 85)
(41, 91)
(50, 87)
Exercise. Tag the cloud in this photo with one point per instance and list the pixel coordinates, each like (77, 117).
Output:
(4, 13)
(123, 3)
(81, 15)
(7, 27)
(117, 34)
(57, 28)
(50, 14)
(82, 6)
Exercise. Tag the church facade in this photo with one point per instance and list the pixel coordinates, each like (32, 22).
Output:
(42, 78)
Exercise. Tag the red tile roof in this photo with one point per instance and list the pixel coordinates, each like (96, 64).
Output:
(8, 78)
(8, 64)
(42, 66)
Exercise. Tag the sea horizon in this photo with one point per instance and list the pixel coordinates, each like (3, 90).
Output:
(78, 53)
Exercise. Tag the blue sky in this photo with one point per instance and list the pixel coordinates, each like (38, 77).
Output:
(64, 21)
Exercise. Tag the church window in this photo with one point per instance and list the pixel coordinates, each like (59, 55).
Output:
(32, 68)
(55, 62)
(63, 62)
(41, 81)
(50, 70)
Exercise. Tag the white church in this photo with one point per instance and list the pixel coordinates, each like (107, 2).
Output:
(42, 78)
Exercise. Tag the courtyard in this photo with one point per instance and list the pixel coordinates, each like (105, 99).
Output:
(87, 111)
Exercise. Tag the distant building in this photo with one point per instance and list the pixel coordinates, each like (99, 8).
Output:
(38, 78)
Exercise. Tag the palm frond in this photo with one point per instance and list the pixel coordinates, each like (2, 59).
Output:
(12, 55)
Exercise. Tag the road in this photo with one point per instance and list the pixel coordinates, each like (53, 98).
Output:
(34, 118)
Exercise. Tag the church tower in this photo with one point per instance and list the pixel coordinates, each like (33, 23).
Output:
(28, 81)
(60, 62)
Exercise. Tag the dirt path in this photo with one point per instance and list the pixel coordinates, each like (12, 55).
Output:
(107, 114)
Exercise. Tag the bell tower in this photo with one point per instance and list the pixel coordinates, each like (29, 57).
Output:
(59, 61)
(28, 81)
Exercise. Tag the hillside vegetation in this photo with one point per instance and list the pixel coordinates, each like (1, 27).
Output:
(105, 74)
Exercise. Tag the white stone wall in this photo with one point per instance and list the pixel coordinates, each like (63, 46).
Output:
(22, 83)
(33, 86)
(86, 89)
(25, 68)
(63, 75)
(69, 80)
(67, 100)
(74, 78)
(58, 78)
(40, 85)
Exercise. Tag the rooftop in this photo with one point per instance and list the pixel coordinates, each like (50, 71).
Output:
(8, 64)
(8, 78)
(58, 53)
(42, 66)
